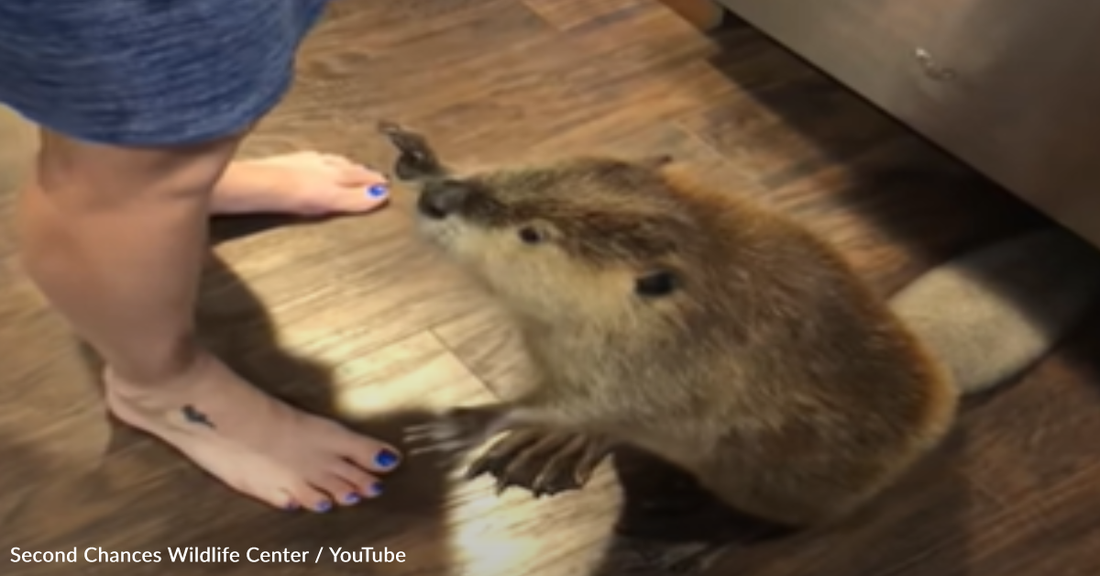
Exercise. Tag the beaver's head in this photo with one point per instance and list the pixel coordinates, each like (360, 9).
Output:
(587, 237)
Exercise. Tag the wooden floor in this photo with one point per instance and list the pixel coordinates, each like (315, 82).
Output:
(353, 317)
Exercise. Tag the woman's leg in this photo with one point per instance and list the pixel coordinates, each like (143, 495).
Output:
(115, 238)
(141, 122)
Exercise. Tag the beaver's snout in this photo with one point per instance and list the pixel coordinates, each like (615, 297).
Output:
(441, 199)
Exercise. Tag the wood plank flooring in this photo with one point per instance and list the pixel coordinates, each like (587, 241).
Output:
(354, 318)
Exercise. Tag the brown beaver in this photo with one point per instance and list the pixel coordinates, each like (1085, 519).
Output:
(722, 337)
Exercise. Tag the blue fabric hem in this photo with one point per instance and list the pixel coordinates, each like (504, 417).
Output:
(238, 123)
(138, 74)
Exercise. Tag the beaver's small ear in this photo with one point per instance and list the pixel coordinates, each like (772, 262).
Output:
(657, 283)
(537, 232)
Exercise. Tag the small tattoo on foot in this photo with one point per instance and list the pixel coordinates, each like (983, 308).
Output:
(192, 415)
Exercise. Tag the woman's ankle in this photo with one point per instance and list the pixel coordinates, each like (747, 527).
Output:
(173, 364)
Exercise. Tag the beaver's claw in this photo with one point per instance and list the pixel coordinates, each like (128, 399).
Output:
(452, 435)
(543, 461)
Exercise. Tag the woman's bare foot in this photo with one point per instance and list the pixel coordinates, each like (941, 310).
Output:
(254, 443)
(301, 183)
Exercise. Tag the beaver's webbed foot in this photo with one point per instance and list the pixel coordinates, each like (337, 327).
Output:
(417, 160)
(542, 460)
(455, 433)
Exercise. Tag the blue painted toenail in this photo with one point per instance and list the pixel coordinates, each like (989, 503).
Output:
(324, 506)
(351, 498)
(378, 191)
(386, 458)
(376, 489)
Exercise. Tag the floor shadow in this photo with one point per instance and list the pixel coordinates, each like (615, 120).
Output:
(669, 525)
(1082, 350)
(145, 497)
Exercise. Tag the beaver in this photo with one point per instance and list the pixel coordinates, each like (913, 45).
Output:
(722, 337)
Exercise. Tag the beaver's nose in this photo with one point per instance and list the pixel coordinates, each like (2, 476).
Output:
(439, 200)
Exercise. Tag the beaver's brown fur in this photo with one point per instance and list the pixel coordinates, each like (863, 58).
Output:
(695, 325)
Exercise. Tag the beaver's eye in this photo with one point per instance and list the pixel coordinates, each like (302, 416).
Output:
(655, 284)
(530, 235)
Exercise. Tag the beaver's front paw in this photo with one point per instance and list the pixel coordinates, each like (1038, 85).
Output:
(453, 434)
(417, 160)
(543, 461)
